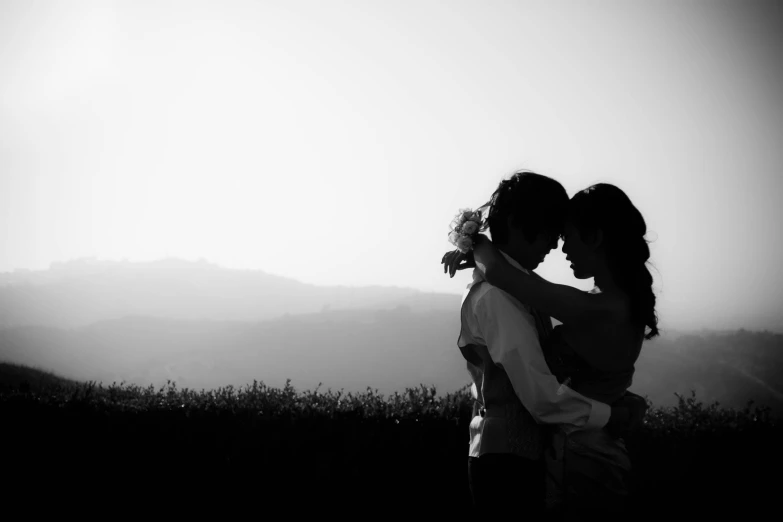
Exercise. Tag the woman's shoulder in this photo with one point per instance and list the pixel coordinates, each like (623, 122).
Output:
(616, 305)
(605, 309)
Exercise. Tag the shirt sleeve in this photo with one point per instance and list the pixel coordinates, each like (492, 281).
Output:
(510, 334)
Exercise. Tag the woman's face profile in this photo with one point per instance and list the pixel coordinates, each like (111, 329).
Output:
(577, 252)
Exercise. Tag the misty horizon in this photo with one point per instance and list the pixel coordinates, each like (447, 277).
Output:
(20, 275)
(205, 327)
(65, 265)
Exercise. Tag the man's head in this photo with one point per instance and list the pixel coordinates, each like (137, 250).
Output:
(526, 217)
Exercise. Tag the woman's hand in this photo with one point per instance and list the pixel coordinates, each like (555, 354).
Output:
(627, 414)
(456, 260)
(638, 407)
(619, 420)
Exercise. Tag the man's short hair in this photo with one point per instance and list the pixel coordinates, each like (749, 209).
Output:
(537, 204)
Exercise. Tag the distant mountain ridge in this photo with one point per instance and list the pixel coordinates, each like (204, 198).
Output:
(82, 292)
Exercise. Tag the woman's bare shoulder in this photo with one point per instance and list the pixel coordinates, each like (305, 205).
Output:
(607, 310)
(617, 308)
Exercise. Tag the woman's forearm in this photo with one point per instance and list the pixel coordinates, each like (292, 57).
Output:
(497, 273)
(490, 261)
(500, 273)
(510, 280)
(564, 303)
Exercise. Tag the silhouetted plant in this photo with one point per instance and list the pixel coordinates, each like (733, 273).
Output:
(357, 437)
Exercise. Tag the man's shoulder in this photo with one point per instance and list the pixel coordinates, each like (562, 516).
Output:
(474, 294)
(479, 290)
(492, 308)
(492, 297)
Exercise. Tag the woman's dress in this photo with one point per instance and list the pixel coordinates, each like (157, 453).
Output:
(587, 470)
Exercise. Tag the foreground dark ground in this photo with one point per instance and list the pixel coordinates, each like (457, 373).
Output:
(259, 450)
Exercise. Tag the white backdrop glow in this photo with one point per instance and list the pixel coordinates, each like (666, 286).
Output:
(333, 141)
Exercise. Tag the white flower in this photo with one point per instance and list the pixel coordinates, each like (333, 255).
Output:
(464, 244)
(470, 227)
(464, 214)
(466, 223)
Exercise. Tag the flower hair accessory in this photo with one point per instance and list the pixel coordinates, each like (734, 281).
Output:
(464, 228)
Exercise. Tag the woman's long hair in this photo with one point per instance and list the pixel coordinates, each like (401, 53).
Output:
(607, 208)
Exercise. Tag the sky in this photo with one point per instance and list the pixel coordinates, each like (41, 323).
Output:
(333, 142)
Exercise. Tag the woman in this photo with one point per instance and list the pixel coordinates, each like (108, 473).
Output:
(595, 348)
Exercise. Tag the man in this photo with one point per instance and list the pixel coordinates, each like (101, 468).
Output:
(515, 394)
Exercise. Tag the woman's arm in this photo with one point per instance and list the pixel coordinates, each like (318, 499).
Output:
(564, 303)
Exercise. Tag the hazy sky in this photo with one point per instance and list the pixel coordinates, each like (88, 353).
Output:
(333, 141)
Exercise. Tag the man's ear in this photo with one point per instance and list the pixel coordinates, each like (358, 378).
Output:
(511, 229)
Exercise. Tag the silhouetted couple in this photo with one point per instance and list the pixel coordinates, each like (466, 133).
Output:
(551, 403)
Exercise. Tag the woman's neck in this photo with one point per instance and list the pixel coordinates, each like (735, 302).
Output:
(603, 280)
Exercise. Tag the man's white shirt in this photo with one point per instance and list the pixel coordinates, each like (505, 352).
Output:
(495, 319)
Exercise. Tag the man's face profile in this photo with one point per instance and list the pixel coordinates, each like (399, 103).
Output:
(532, 254)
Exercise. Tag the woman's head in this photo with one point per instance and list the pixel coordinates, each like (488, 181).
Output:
(603, 229)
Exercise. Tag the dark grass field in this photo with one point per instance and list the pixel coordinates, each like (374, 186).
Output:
(109, 450)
